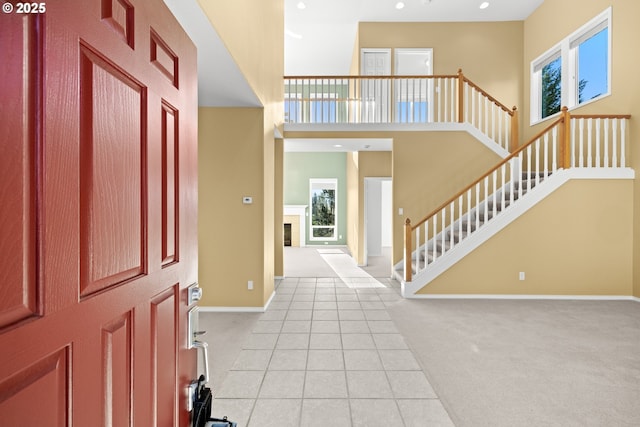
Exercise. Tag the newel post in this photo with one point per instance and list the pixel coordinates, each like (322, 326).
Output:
(514, 130)
(407, 250)
(460, 96)
(565, 139)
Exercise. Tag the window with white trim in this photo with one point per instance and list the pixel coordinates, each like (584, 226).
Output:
(574, 72)
(324, 208)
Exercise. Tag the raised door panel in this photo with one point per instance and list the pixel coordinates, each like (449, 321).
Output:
(39, 394)
(117, 355)
(164, 357)
(20, 87)
(113, 174)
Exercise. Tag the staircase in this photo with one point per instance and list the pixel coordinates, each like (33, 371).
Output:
(571, 147)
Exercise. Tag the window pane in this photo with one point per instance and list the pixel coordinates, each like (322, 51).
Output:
(323, 204)
(323, 232)
(551, 88)
(593, 56)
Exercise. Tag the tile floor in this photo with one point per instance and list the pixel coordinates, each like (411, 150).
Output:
(326, 353)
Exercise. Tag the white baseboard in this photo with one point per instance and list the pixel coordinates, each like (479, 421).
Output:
(526, 297)
(216, 309)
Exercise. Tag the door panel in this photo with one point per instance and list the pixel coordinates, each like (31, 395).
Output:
(18, 222)
(46, 382)
(100, 215)
(112, 175)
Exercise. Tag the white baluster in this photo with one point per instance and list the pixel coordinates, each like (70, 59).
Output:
(520, 183)
(537, 156)
(554, 150)
(493, 121)
(453, 100)
(442, 233)
(503, 183)
(623, 139)
(545, 159)
(589, 144)
(477, 206)
(446, 100)
(466, 102)
(507, 132)
(614, 129)
(529, 167)
(419, 250)
(606, 144)
(435, 237)
(469, 212)
(451, 221)
(486, 199)
(511, 181)
(500, 128)
(581, 136)
(473, 108)
(598, 141)
(460, 214)
(494, 179)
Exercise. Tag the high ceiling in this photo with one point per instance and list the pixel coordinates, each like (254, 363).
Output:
(319, 39)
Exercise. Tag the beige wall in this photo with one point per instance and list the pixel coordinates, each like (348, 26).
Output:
(575, 242)
(253, 32)
(353, 206)
(490, 54)
(238, 155)
(231, 234)
(556, 19)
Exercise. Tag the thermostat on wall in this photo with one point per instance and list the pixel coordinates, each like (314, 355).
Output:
(247, 200)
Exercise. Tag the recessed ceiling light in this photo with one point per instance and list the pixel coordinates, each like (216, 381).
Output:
(400, 5)
(338, 146)
(301, 5)
(484, 5)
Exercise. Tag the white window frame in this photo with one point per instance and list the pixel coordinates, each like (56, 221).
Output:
(567, 50)
(330, 183)
(400, 95)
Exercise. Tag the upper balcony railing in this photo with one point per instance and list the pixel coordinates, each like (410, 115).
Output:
(399, 100)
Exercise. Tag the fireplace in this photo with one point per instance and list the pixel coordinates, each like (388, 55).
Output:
(295, 220)
(287, 234)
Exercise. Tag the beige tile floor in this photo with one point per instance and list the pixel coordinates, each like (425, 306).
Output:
(326, 353)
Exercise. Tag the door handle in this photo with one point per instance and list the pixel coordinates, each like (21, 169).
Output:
(201, 345)
(192, 336)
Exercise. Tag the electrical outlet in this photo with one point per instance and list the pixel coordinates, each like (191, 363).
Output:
(521, 275)
(250, 285)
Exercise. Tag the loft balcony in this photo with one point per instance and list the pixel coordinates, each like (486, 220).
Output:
(323, 101)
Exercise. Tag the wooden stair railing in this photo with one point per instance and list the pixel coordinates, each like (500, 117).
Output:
(558, 146)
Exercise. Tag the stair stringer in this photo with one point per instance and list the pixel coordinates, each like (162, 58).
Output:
(518, 208)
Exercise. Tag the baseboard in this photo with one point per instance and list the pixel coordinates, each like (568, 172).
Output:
(527, 297)
(212, 309)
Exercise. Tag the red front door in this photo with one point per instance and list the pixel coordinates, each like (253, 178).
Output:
(98, 205)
